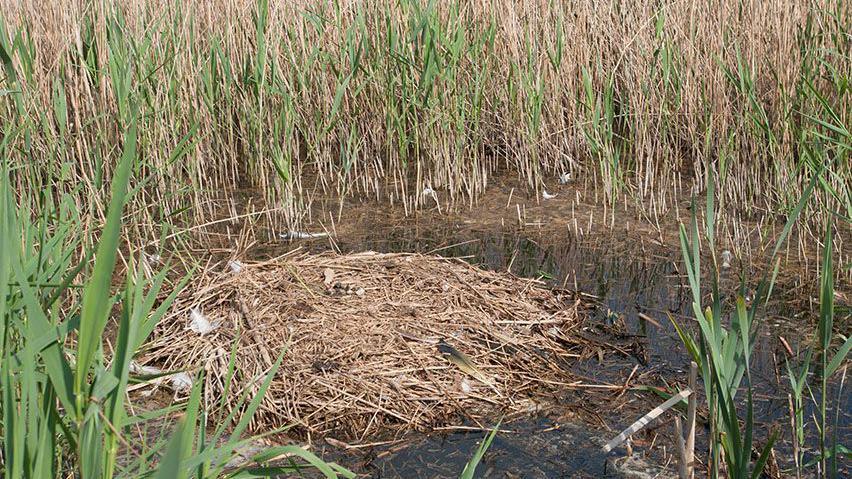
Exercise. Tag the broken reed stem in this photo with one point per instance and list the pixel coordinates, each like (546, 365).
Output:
(692, 406)
(686, 448)
(680, 446)
(646, 419)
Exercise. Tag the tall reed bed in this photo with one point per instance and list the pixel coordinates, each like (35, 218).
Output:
(639, 98)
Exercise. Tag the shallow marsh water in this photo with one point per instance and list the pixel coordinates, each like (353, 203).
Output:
(631, 280)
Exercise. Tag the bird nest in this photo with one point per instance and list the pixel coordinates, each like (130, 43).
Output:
(372, 342)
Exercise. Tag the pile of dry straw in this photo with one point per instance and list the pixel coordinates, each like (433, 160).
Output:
(369, 340)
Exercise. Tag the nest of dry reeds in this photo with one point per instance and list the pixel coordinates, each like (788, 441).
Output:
(370, 340)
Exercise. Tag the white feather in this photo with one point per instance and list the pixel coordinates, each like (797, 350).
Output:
(200, 324)
(565, 178)
(178, 382)
(137, 368)
(548, 196)
(297, 235)
(727, 257)
(181, 382)
(235, 266)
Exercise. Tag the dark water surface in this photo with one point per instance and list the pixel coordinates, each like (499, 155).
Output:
(630, 278)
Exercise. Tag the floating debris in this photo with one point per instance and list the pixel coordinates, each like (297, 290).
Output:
(548, 196)
(298, 235)
(727, 257)
(235, 266)
(565, 178)
(199, 323)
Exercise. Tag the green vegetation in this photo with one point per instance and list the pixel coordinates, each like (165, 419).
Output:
(723, 354)
(470, 468)
(121, 119)
(823, 145)
(65, 379)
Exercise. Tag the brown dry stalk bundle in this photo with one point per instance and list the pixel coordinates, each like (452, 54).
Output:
(365, 336)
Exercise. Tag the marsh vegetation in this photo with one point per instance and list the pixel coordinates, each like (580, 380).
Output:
(132, 131)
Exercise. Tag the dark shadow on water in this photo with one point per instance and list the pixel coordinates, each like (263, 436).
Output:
(531, 449)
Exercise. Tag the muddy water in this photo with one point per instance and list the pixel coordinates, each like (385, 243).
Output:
(632, 280)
